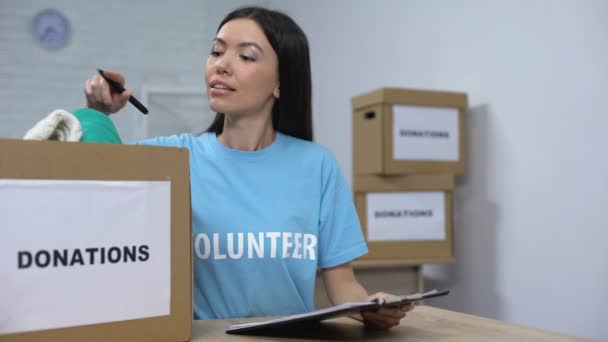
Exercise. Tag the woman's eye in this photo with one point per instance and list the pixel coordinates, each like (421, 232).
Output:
(247, 58)
(215, 53)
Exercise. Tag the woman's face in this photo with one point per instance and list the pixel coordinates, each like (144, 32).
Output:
(241, 73)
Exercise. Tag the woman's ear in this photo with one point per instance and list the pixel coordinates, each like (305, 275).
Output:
(277, 92)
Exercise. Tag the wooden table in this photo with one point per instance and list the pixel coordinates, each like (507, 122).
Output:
(425, 323)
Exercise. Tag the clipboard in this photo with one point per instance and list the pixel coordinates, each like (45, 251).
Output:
(332, 312)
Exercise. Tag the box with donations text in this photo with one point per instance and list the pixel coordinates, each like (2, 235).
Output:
(407, 131)
(96, 242)
(406, 216)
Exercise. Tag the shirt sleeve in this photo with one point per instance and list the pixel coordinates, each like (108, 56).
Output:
(340, 236)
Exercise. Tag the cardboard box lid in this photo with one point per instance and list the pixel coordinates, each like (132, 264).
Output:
(415, 97)
(83, 161)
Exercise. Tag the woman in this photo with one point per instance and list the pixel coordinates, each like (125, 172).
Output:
(269, 205)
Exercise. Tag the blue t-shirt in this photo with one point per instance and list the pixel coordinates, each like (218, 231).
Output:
(263, 222)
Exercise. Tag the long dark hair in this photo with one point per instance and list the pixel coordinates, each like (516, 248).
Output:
(292, 112)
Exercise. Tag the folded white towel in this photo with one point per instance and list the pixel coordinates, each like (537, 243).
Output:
(59, 125)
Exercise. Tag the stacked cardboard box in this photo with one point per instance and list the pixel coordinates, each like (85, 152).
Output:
(408, 146)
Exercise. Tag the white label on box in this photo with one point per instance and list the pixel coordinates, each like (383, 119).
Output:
(83, 252)
(401, 216)
(425, 133)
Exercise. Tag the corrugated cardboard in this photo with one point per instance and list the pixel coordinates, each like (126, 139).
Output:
(79, 161)
(373, 127)
(427, 250)
(431, 250)
(413, 182)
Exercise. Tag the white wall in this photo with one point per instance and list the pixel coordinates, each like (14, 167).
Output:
(531, 229)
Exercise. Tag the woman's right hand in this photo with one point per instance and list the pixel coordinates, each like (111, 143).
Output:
(100, 97)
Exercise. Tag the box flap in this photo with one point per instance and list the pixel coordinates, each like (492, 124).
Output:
(414, 97)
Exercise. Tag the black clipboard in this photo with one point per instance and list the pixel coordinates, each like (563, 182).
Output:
(332, 312)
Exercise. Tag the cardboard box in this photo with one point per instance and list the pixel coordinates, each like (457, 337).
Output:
(406, 217)
(96, 242)
(413, 182)
(404, 131)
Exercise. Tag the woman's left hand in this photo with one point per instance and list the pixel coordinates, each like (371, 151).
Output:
(387, 317)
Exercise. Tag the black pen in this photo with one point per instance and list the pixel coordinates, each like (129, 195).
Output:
(117, 87)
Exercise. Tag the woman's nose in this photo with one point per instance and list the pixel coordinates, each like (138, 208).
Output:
(222, 65)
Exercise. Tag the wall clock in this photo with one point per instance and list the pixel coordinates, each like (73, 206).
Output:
(51, 29)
